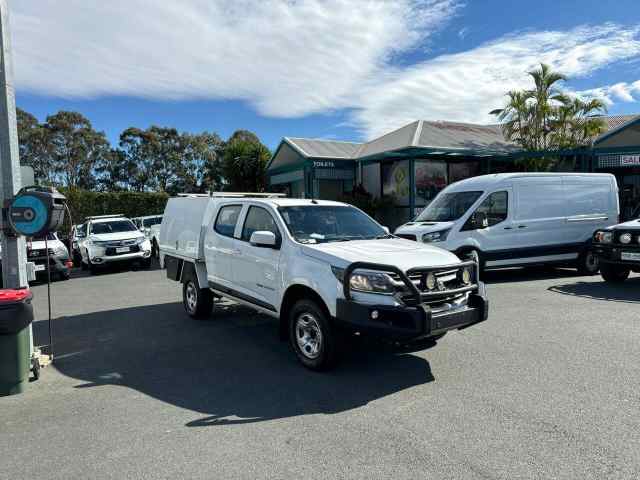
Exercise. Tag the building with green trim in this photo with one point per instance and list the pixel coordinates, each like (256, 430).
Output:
(412, 164)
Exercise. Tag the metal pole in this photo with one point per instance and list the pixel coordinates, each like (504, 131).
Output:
(14, 263)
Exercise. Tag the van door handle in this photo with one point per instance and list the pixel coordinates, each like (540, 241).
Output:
(508, 228)
(522, 226)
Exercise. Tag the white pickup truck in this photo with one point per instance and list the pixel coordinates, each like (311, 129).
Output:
(323, 269)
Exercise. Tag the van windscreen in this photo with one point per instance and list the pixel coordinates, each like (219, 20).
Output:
(448, 207)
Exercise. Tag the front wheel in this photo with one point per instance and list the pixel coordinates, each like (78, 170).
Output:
(311, 336)
(588, 263)
(198, 302)
(614, 273)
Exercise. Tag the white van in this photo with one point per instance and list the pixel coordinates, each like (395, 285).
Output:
(519, 219)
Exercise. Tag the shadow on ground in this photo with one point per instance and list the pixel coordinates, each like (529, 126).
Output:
(628, 291)
(526, 274)
(232, 369)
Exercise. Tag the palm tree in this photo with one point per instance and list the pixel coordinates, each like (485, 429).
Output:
(544, 118)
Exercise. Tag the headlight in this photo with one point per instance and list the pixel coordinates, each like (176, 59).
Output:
(140, 240)
(440, 236)
(366, 281)
(603, 237)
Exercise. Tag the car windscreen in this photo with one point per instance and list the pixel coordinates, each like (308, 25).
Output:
(116, 226)
(148, 222)
(329, 223)
(448, 207)
(50, 236)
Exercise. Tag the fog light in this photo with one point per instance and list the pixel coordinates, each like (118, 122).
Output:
(375, 314)
(430, 282)
(625, 238)
(465, 276)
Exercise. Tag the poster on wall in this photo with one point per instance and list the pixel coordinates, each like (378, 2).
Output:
(431, 177)
(460, 171)
(395, 181)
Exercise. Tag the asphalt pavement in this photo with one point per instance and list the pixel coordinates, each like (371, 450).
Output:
(548, 387)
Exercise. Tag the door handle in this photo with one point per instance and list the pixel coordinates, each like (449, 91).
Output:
(508, 228)
(522, 226)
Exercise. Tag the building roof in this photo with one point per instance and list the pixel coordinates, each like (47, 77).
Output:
(432, 137)
(317, 148)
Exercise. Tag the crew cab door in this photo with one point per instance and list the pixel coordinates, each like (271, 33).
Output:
(256, 267)
(220, 245)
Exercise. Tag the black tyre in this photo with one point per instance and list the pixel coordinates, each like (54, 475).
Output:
(197, 302)
(155, 251)
(311, 336)
(614, 273)
(588, 263)
(93, 269)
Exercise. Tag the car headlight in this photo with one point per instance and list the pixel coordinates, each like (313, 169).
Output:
(439, 236)
(625, 238)
(366, 281)
(140, 240)
(603, 237)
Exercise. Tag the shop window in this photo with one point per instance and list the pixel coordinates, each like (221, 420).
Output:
(430, 178)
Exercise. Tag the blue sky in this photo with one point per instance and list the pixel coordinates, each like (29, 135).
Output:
(341, 69)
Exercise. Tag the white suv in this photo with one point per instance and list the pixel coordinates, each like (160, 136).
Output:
(324, 269)
(112, 238)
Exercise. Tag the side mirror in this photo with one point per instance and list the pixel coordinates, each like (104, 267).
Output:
(263, 239)
(386, 230)
(479, 220)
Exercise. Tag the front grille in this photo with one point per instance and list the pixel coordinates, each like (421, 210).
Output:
(407, 236)
(121, 243)
(447, 280)
(111, 251)
(38, 252)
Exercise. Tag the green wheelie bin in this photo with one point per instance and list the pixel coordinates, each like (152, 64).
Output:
(16, 314)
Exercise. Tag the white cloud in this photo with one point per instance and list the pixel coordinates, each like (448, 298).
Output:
(290, 58)
(285, 57)
(466, 86)
(622, 92)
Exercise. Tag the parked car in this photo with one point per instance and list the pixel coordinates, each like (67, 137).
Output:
(323, 269)
(150, 226)
(59, 260)
(78, 232)
(113, 238)
(618, 250)
(519, 219)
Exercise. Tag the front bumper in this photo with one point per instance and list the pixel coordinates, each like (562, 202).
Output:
(613, 254)
(409, 323)
(101, 258)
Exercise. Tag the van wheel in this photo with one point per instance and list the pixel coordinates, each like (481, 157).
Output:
(311, 336)
(471, 254)
(588, 263)
(614, 273)
(197, 302)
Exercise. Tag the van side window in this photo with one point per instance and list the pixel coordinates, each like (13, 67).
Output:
(227, 219)
(258, 220)
(495, 207)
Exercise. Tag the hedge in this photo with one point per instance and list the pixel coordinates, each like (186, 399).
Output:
(83, 203)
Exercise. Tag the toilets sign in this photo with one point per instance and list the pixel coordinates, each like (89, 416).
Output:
(324, 164)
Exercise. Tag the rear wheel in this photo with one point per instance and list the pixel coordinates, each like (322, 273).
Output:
(155, 251)
(614, 273)
(198, 302)
(311, 336)
(588, 263)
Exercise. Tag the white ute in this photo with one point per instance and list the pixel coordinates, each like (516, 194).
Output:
(323, 269)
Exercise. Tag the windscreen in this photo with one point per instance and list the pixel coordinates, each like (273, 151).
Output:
(448, 207)
(148, 222)
(117, 226)
(328, 223)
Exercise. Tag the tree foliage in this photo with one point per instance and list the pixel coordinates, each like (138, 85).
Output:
(244, 165)
(544, 118)
(66, 151)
